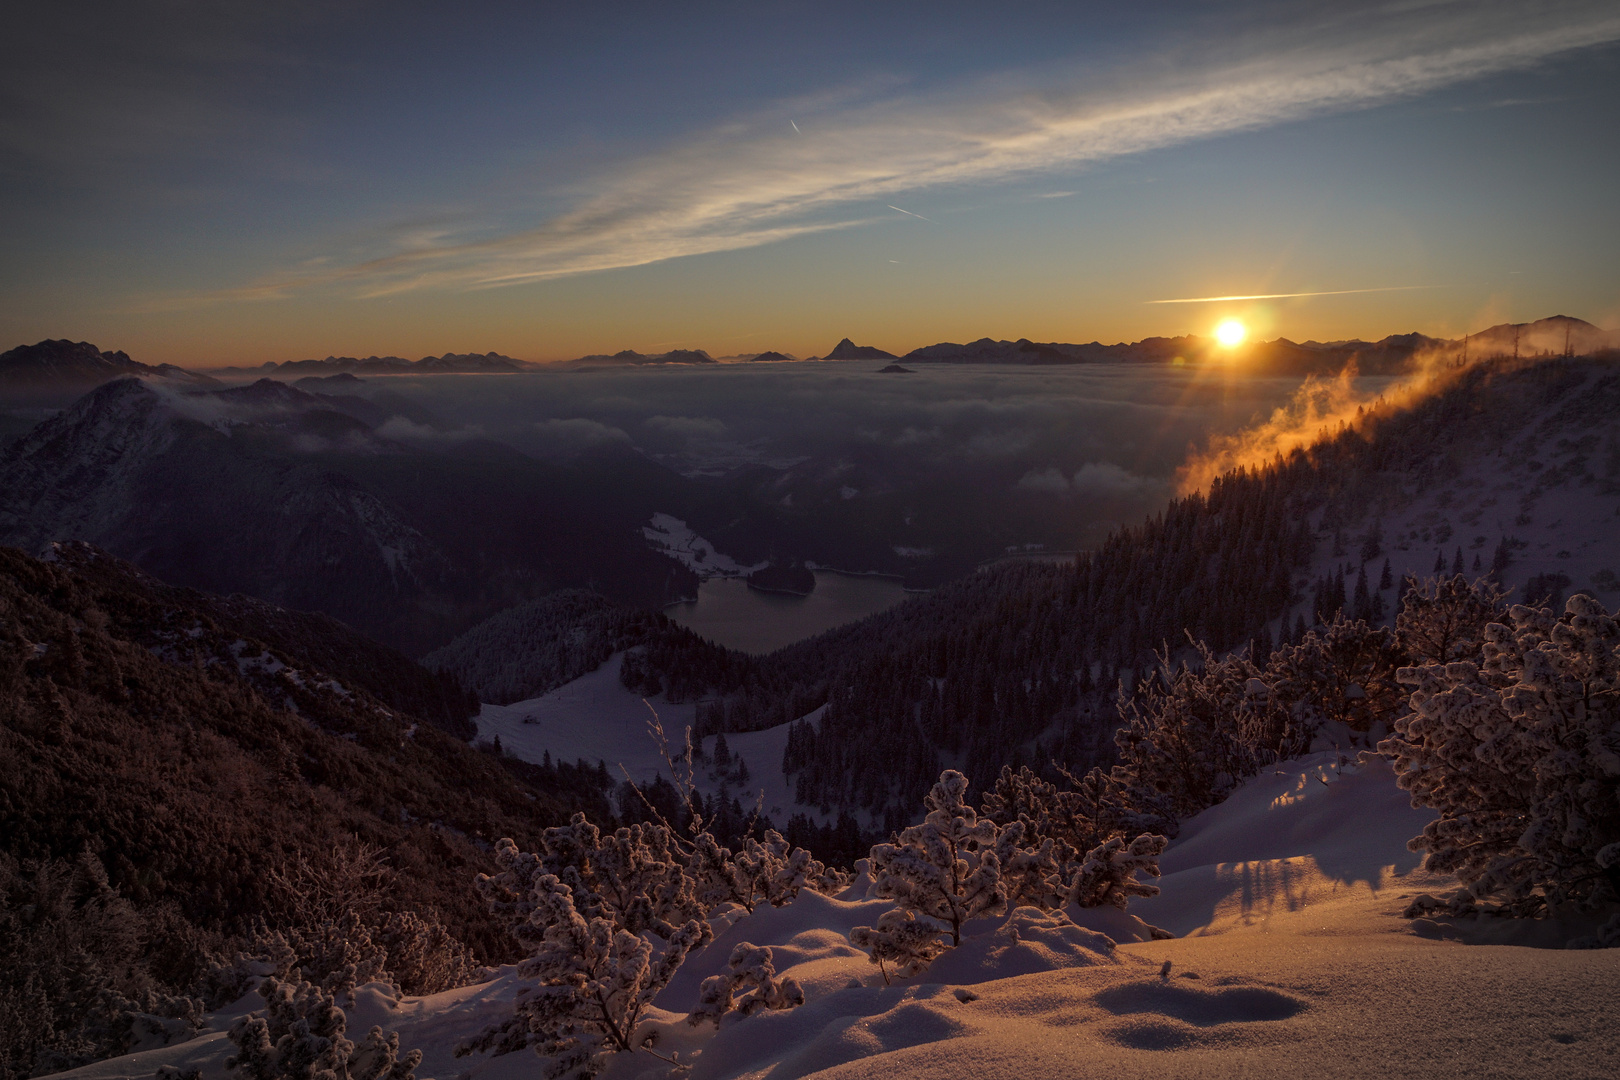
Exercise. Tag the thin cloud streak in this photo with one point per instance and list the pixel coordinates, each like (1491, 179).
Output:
(734, 191)
(1285, 295)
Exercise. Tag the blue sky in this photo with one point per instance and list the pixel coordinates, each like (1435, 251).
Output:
(205, 187)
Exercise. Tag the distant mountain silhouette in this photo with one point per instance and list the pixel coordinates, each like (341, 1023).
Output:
(630, 356)
(894, 369)
(686, 356)
(1388, 356)
(62, 366)
(1550, 336)
(848, 350)
(457, 363)
(770, 356)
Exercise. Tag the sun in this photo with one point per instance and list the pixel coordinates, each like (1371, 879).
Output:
(1230, 333)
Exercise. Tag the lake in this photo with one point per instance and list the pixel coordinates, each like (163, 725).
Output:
(729, 613)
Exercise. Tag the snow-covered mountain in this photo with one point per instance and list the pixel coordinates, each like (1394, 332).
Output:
(193, 488)
(327, 502)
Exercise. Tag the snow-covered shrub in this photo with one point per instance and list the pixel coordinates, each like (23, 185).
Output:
(946, 870)
(301, 1035)
(261, 953)
(748, 985)
(1444, 619)
(423, 956)
(770, 871)
(1521, 757)
(1108, 875)
(1069, 847)
(593, 981)
(1075, 820)
(901, 939)
(1343, 672)
(1190, 736)
(635, 876)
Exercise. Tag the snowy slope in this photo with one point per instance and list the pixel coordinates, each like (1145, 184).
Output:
(1552, 485)
(596, 718)
(1294, 961)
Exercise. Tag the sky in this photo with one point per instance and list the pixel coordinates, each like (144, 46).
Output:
(209, 184)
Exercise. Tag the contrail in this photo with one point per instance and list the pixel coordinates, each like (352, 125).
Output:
(796, 130)
(1283, 295)
(908, 213)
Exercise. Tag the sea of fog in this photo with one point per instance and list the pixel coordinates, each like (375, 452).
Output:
(923, 475)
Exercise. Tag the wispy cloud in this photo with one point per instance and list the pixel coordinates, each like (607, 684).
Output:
(1286, 295)
(750, 184)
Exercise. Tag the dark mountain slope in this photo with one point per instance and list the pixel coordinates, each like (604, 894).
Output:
(193, 760)
(53, 372)
(281, 494)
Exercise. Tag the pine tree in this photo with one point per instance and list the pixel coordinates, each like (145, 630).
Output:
(1457, 565)
(1108, 875)
(748, 985)
(1361, 607)
(591, 983)
(945, 870)
(1519, 751)
(1386, 579)
(1373, 545)
(301, 1035)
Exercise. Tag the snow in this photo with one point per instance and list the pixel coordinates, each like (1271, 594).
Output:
(676, 539)
(1544, 486)
(596, 718)
(1294, 960)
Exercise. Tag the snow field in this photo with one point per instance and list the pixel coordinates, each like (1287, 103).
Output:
(596, 718)
(1295, 962)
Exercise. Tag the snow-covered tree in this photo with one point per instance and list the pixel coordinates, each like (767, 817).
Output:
(770, 871)
(1069, 847)
(748, 985)
(946, 870)
(635, 877)
(301, 1035)
(1108, 875)
(1182, 746)
(1075, 819)
(593, 980)
(901, 939)
(1344, 672)
(1520, 755)
(1444, 618)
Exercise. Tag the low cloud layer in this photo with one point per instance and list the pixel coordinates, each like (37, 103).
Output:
(1096, 479)
(564, 436)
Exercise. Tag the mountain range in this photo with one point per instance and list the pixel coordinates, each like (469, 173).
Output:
(449, 363)
(57, 366)
(300, 499)
(1387, 356)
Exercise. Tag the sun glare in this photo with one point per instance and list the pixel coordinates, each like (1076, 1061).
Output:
(1230, 332)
